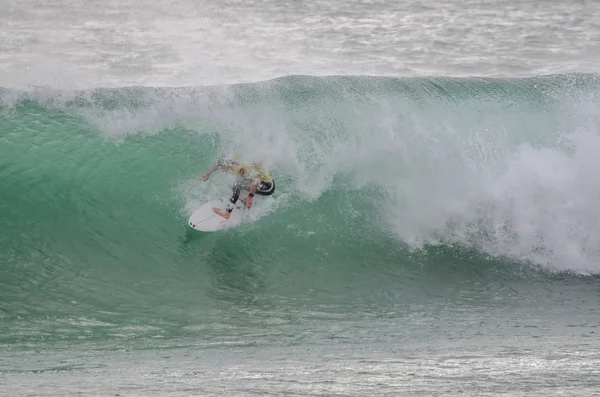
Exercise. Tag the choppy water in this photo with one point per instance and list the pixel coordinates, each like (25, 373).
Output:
(430, 234)
(181, 43)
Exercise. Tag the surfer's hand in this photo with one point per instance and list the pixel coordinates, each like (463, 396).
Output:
(249, 202)
(204, 177)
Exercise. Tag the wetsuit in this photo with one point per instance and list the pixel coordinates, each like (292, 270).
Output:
(247, 174)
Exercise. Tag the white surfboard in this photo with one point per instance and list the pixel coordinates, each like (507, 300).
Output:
(205, 219)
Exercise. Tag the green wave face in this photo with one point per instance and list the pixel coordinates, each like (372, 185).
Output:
(383, 186)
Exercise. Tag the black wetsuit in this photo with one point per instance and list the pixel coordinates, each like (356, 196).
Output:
(264, 189)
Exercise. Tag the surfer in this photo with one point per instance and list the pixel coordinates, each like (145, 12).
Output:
(251, 177)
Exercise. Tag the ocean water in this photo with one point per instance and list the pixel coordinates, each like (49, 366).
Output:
(434, 229)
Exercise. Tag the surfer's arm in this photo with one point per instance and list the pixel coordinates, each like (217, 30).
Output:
(209, 172)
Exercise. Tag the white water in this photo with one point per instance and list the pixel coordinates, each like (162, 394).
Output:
(500, 175)
(492, 185)
(77, 43)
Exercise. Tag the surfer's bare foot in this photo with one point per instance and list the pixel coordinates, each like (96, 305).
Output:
(224, 214)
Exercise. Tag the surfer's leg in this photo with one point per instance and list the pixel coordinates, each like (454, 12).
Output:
(240, 184)
(235, 195)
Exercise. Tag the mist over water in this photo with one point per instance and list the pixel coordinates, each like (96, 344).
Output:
(86, 44)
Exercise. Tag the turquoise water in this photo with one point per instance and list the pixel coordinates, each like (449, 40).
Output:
(420, 225)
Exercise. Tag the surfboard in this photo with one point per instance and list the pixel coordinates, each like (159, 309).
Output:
(205, 219)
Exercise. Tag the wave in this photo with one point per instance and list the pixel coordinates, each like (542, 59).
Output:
(374, 174)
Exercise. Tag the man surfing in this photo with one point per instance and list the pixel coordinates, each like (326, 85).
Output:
(251, 177)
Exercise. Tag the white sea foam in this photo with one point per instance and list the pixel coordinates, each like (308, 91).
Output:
(73, 44)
